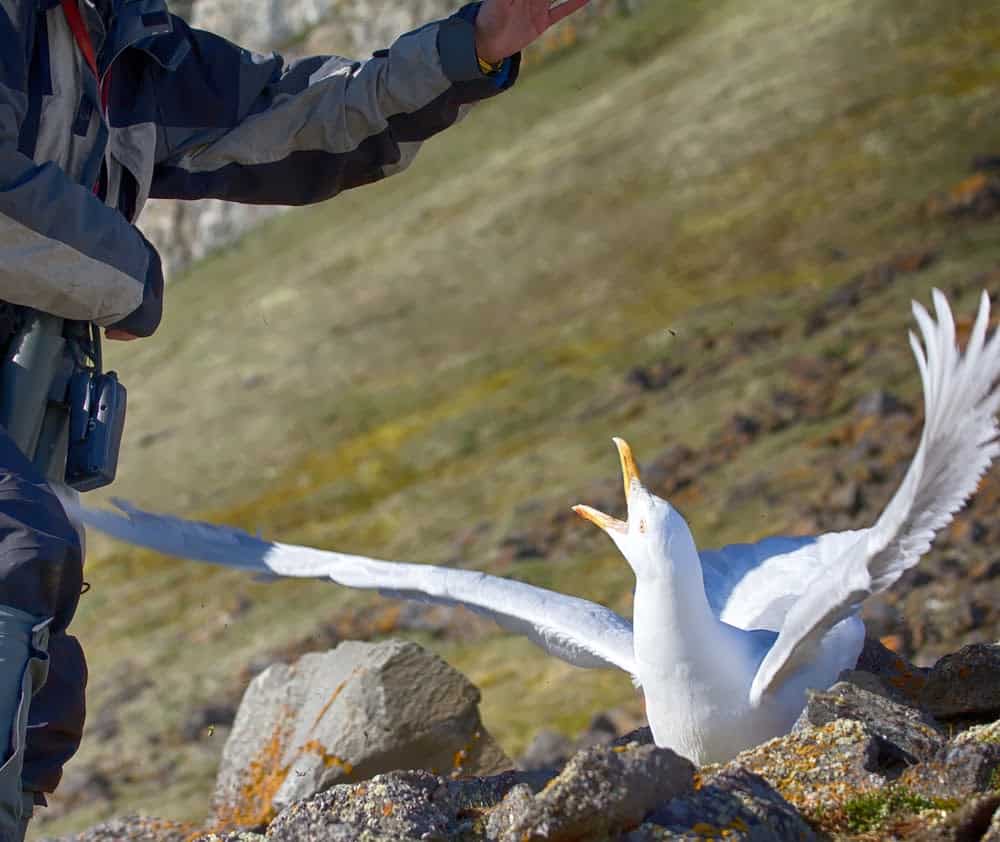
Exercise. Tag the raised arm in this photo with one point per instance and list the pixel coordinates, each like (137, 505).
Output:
(248, 128)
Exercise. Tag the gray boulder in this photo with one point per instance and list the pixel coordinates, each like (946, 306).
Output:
(902, 678)
(965, 683)
(912, 731)
(346, 715)
(817, 766)
(956, 771)
(603, 791)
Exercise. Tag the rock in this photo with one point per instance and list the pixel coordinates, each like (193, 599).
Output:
(516, 803)
(966, 683)
(601, 792)
(132, 829)
(400, 806)
(824, 765)
(548, 750)
(346, 715)
(639, 737)
(980, 734)
(893, 670)
(734, 803)
(956, 771)
(967, 824)
(912, 732)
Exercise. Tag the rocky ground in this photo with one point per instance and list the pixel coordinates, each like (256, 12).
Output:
(889, 752)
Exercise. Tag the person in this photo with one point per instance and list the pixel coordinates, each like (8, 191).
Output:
(103, 104)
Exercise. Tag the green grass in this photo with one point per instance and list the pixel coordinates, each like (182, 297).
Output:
(871, 810)
(448, 349)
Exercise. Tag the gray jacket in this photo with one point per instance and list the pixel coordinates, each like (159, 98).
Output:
(189, 116)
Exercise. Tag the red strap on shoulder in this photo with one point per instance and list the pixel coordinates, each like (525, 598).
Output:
(72, 12)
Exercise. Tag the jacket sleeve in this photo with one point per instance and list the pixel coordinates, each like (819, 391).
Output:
(246, 128)
(62, 250)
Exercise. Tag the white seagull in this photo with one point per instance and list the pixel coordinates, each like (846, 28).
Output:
(724, 643)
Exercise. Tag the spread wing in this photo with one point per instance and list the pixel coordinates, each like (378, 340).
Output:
(578, 631)
(959, 440)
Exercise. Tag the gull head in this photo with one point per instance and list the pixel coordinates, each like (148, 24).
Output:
(655, 536)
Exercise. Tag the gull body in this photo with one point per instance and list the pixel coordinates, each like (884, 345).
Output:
(697, 670)
(724, 643)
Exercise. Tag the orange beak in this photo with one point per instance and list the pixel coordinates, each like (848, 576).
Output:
(630, 471)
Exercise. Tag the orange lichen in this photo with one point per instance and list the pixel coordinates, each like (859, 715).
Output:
(262, 779)
(333, 697)
(329, 760)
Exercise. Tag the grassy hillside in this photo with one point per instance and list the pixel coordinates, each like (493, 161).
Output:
(430, 369)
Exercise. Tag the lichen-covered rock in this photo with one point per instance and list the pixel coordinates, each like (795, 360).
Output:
(735, 804)
(915, 733)
(957, 771)
(516, 803)
(601, 792)
(989, 733)
(400, 806)
(965, 683)
(824, 765)
(345, 715)
(132, 829)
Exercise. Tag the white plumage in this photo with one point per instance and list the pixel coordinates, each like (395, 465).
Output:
(725, 643)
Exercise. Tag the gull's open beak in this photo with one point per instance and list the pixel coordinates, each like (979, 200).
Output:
(630, 471)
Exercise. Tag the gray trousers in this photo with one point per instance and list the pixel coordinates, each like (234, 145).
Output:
(41, 573)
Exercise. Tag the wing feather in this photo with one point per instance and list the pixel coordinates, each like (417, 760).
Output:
(576, 630)
(959, 440)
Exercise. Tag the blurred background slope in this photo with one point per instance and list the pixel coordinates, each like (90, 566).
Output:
(697, 226)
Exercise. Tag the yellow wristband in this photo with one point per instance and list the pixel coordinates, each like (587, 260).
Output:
(488, 68)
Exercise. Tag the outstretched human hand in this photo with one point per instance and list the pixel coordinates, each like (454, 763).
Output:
(505, 26)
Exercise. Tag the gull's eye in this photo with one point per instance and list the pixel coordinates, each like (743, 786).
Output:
(642, 525)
